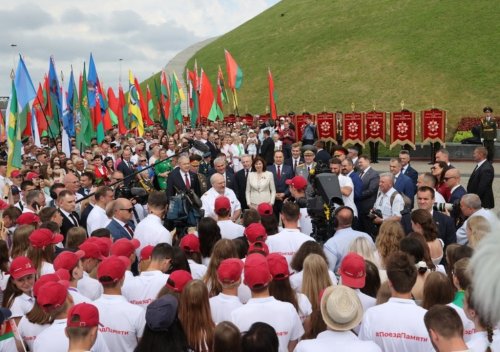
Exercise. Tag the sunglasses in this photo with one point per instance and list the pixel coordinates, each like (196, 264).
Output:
(142, 161)
(447, 178)
(128, 209)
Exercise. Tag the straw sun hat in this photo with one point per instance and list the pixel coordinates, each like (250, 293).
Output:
(341, 308)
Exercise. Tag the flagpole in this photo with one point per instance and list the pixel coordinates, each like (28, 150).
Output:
(235, 102)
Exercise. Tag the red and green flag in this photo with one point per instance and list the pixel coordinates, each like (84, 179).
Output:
(234, 72)
(272, 96)
(116, 111)
(208, 105)
(165, 99)
(38, 110)
(86, 131)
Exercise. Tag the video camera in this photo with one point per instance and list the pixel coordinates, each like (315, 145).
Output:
(130, 193)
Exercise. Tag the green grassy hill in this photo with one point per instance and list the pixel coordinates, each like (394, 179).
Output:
(327, 54)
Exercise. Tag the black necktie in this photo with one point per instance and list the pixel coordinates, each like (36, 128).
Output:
(361, 174)
(295, 166)
(246, 173)
(73, 218)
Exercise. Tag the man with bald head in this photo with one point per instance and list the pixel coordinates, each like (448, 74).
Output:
(218, 189)
(452, 179)
(121, 225)
(338, 246)
(182, 179)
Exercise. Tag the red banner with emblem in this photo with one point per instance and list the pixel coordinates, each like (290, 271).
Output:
(402, 128)
(375, 126)
(300, 124)
(247, 120)
(327, 126)
(433, 124)
(353, 128)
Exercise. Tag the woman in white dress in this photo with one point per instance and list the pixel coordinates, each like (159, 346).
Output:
(237, 150)
(260, 184)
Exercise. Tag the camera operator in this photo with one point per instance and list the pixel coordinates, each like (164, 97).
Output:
(389, 203)
(297, 187)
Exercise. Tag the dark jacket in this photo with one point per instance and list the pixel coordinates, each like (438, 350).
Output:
(481, 183)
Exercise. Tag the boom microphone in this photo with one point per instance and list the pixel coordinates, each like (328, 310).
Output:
(200, 146)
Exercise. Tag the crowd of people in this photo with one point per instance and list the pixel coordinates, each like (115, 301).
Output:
(87, 264)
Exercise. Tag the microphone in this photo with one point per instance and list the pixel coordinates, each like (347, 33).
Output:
(202, 147)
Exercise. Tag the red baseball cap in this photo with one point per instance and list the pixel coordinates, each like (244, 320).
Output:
(146, 252)
(83, 315)
(28, 219)
(31, 175)
(178, 279)
(91, 250)
(103, 243)
(222, 203)
(52, 295)
(21, 266)
(125, 247)
(15, 173)
(3, 206)
(41, 238)
(190, 243)
(278, 266)
(62, 276)
(255, 232)
(229, 270)
(113, 267)
(68, 260)
(258, 247)
(265, 209)
(257, 272)
(353, 270)
(298, 182)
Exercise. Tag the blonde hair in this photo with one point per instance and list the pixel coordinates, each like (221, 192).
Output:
(315, 278)
(195, 316)
(20, 240)
(364, 248)
(223, 249)
(390, 234)
(478, 227)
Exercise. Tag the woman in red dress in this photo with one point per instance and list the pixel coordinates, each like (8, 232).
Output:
(100, 171)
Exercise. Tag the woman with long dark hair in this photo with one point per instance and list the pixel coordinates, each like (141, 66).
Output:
(423, 223)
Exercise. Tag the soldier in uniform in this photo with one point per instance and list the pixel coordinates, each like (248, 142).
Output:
(305, 168)
(205, 165)
(196, 161)
(488, 132)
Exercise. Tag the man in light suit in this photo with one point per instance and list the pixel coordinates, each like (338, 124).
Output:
(370, 179)
(304, 169)
(182, 178)
(481, 179)
(281, 173)
(121, 225)
(403, 184)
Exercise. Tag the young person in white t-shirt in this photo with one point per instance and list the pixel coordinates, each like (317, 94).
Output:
(229, 276)
(190, 245)
(397, 325)
(125, 247)
(282, 316)
(71, 261)
(122, 322)
(228, 228)
(288, 240)
(445, 328)
(143, 289)
(88, 286)
(341, 311)
(81, 326)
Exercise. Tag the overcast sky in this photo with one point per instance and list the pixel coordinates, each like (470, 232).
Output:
(146, 34)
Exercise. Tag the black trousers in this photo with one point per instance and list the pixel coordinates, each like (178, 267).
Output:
(490, 146)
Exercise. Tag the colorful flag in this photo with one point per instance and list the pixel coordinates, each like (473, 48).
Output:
(66, 141)
(71, 107)
(123, 107)
(25, 93)
(116, 111)
(86, 132)
(179, 87)
(3, 134)
(193, 98)
(175, 112)
(165, 98)
(134, 109)
(38, 111)
(208, 105)
(272, 96)
(150, 104)
(96, 101)
(14, 143)
(220, 81)
(54, 95)
(234, 72)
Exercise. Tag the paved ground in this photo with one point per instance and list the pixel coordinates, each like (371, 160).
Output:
(465, 168)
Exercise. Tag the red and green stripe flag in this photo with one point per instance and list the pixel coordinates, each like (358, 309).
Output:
(208, 105)
(234, 72)
(86, 132)
(272, 95)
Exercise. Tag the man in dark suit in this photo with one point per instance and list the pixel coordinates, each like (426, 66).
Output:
(240, 180)
(221, 167)
(267, 148)
(481, 179)
(126, 167)
(406, 169)
(281, 173)
(402, 183)
(370, 179)
(122, 226)
(181, 179)
(452, 179)
(296, 158)
(322, 155)
(444, 223)
(67, 205)
(211, 145)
